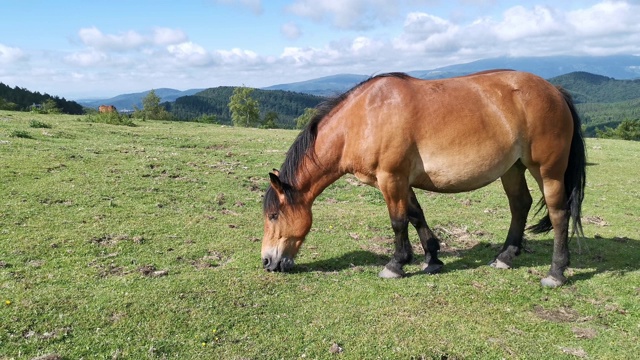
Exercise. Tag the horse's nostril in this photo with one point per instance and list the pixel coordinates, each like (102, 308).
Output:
(266, 262)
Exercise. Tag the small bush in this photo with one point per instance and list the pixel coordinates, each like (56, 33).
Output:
(39, 124)
(20, 134)
(112, 118)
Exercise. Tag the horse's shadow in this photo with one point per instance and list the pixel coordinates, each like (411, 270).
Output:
(343, 262)
(617, 254)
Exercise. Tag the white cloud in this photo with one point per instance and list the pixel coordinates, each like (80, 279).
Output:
(87, 58)
(10, 54)
(167, 36)
(353, 54)
(520, 22)
(609, 27)
(254, 5)
(190, 53)
(96, 39)
(291, 31)
(425, 33)
(606, 18)
(347, 14)
(237, 57)
(304, 57)
(129, 40)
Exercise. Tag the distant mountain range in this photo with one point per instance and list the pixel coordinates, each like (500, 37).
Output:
(618, 67)
(128, 101)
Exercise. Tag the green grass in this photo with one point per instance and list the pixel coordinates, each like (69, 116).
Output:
(144, 242)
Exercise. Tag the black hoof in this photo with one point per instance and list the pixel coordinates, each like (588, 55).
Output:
(432, 268)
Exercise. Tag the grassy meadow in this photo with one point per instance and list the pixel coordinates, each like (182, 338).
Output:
(143, 242)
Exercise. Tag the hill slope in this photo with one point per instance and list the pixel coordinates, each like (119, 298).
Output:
(288, 105)
(591, 88)
(324, 86)
(602, 101)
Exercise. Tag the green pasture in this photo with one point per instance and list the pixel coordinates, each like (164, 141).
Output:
(143, 242)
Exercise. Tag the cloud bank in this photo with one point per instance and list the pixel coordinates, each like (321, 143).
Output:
(418, 40)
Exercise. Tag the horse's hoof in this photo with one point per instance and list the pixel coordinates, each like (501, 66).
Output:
(499, 264)
(390, 274)
(551, 282)
(431, 269)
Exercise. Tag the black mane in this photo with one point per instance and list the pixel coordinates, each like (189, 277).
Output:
(303, 146)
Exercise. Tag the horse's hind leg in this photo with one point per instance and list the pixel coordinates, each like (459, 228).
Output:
(429, 241)
(553, 189)
(555, 198)
(515, 185)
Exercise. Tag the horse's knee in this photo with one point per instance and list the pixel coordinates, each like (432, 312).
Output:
(399, 224)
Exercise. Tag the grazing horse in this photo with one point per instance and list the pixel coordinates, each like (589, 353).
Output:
(107, 109)
(396, 133)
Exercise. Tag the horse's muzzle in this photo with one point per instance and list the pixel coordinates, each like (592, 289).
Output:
(283, 264)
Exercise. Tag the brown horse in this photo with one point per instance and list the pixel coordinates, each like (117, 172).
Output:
(397, 133)
(107, 109)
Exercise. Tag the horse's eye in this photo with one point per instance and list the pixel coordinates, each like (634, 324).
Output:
(273, 216)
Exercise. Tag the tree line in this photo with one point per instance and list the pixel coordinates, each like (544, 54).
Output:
(21, 99)
(271, 108)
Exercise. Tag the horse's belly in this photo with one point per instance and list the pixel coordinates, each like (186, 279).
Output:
(461, 175)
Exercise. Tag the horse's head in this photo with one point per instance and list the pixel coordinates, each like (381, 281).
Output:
(286, 223)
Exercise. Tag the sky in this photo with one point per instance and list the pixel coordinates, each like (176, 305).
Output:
(81, 49)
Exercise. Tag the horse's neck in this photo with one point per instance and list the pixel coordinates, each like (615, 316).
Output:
(325, 167)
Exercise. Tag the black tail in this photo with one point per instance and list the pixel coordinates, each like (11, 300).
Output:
(574, 177)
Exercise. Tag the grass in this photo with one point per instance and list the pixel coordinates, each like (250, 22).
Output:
(144, 242)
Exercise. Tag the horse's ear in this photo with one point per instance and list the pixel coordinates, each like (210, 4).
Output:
(276, 172)
(276, 184)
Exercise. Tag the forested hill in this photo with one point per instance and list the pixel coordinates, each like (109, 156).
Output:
(591, 88)
(602, 101)
(288, 105)
(22, 99)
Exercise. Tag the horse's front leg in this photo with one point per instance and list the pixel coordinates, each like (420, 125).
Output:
(395, 192)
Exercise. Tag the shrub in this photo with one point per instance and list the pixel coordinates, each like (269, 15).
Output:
(627, 130)
(20, 134)
(111, 118)
(39, 124)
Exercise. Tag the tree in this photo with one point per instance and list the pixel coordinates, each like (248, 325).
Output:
(243, 108)
(7, 105)
(270, 120)
(50, 107)
(151, 108)
(627, 130)
(303, 120)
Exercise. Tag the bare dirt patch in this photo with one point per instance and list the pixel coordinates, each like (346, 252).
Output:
(559, 315)
(111, 239)
(379, 245)
(454, 238)
(150, 271)
(584, 333)
(213, 259)
(595, 220)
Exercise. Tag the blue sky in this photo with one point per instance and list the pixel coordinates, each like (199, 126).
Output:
(93, 48)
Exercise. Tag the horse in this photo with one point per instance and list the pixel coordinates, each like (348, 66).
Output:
(397, 133)
(107, 109)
